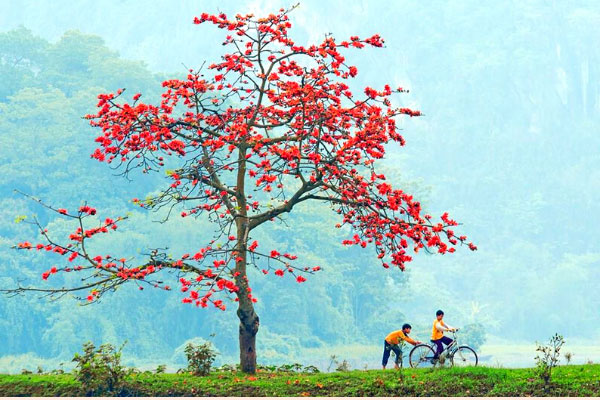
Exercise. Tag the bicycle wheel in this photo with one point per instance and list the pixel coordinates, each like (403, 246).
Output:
(421, 356)
(464, 356)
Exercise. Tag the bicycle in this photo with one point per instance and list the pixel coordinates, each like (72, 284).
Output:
(422, 355)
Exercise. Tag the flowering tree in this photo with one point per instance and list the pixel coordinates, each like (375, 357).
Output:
(271, 125)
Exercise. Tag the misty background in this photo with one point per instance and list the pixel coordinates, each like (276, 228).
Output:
(508, 145)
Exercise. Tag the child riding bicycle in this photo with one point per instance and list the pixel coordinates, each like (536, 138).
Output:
(437, 334)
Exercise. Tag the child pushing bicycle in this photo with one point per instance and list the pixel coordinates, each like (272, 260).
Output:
(392, 343)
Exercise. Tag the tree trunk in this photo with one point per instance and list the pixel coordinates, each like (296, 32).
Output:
(248, 330)
(248, 319)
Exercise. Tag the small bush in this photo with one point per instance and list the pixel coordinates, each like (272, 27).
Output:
(310, 369)
(548, 357)
(99, 370)
(473, 335)
(343, 366)
(568, 357)
(269, 368)
(295, 367)
(200, 357)
(160, 369)
(235, 368)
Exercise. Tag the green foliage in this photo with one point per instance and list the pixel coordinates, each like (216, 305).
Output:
(200, 357)
(99, 370)
(548, 357)
(310, 369)
(295, 367)
(160, 369)
(473, 335)
(236, 367)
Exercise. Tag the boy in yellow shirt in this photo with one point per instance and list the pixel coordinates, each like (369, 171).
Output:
(392, 341)
(437, 334)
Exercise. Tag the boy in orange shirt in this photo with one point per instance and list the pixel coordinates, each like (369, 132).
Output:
(392, 341)
(437, 334)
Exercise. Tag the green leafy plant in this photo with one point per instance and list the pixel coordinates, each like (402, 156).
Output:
(548, 357)
(295, 367)
(270, 368)
(99, 370)
(234, 368)
(200, 357)
(160, 369)
(310, 369)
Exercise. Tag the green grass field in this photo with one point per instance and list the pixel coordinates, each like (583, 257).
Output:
(575, 380)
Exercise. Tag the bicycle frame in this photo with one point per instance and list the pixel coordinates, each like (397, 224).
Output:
(451, 348)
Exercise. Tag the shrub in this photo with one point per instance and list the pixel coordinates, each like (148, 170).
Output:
(160, 369)
(568, 357)
(548, 357)
(99, 370)
(473, 335)
(296, 367)
(343, 366)
(200, 357)
(235, 368)
(310, 369)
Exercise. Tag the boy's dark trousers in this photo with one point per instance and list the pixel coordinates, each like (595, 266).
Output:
(439, 348)
(387, 349)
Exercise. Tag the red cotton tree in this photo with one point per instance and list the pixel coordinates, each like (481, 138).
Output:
(271, 125)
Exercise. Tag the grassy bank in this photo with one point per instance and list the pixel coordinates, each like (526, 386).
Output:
(575, 380)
